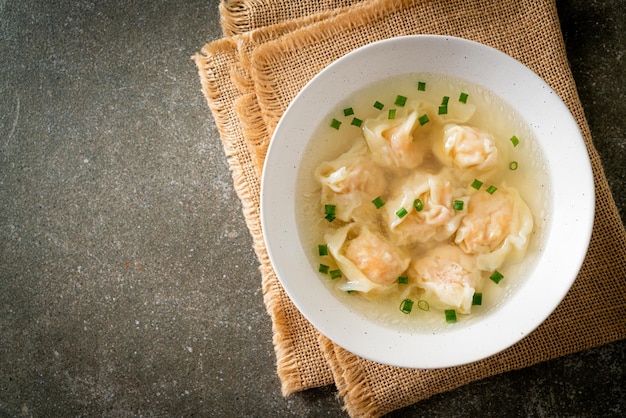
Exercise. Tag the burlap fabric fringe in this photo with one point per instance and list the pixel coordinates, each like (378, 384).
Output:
(249, 79)
(240, 16)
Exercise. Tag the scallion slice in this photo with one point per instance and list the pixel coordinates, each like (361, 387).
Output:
(491, 189)
(335, 124)
(423, 305)
(421, 86)
(477, 299)
(330, 212)
(423, 119)
(378, 105)
(450, 316)
(391, 114)
(445, 100)
(458, 205)
(477, 184)
(348, 111)
(400, 101)
(324, 269)
(403, 280)
(322, 250)
(443, 110)
(496, 277)
(463, 97)
(378, 202)
(513, 165)
(335, 274)
(356, 122)
(514, 140)
(418, 205)
(406, 306)
(401, 213)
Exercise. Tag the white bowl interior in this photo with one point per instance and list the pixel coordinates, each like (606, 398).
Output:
(566, 238)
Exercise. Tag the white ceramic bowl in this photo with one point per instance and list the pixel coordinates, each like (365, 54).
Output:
(566, 234)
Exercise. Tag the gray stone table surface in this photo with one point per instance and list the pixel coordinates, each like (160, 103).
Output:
(128, 283)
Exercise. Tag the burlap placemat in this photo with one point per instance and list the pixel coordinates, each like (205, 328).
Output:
(249, 80)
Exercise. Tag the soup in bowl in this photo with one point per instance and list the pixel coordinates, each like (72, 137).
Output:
(414, 201)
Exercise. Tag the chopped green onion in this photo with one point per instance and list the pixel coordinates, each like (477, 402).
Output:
(335, 274)
(406, 306)
(514, 140)
(356, 122)
(450, 316)
(401, 213)
(513, 165)
(463, 97)
(403, 280)
(496, 277)
(324, 269)
(443, 110)
(378, 202)
(423, 305)
(421, 86)
(391, 114)
(418, 205)
(351, 291)
(335, 124)
(458, 205)
(491, 189)
(378, 105)
(477, 184)
(322, 249)
(444, 100)
(400, 101)
(477, 299)
(330, 210)
(423, 119)
(348, 111)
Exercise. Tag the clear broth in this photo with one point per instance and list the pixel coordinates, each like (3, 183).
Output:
(493, 115)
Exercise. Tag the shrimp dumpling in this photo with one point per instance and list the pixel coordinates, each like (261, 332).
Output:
(496, 227)
(466, 148)
(367, 260)
(351, 181)
(448, 276)
(392, 142)
(436, 219)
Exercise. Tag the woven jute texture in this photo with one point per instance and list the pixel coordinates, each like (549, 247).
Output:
(249, 78)
(239, 16)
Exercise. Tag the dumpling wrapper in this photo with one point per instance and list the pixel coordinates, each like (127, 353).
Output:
(351, 182)
(469, 151)
(437, 221)
(367, 260)
(448, 276)
(496, 228)
(392, 141)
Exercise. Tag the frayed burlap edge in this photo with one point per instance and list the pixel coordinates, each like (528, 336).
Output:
(357, 400)
(223, 77)
(240, 16)
(213, 86)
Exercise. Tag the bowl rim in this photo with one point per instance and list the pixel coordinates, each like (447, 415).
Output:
(569, 170)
